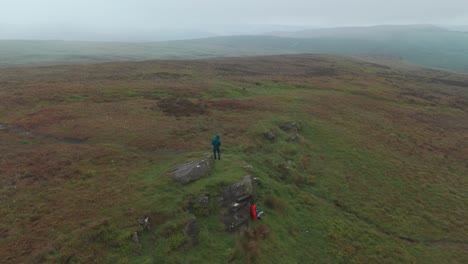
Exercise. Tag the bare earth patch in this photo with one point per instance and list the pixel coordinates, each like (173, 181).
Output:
(180, 107)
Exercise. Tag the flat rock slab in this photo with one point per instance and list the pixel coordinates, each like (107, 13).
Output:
(192, 171)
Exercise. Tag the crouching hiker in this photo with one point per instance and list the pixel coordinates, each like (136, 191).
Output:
(216, 142)
(255, 212)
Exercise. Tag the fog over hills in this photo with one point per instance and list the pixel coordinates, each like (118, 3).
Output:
(420, 44)
(457, 28)
(72, 33)
(372, 33)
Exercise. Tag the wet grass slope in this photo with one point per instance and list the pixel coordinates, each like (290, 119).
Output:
(378, 173)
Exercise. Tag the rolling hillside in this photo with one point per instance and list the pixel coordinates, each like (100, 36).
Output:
(428, 46)
(356, 160)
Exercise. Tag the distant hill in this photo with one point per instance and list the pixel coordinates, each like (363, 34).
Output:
(421, 44)
(425, 45)
(457, 28)
(383, 32)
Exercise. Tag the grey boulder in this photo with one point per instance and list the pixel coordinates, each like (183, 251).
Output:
(236, 202)
(192, 171)
(192, 231)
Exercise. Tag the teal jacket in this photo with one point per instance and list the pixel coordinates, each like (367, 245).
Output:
(216, 142)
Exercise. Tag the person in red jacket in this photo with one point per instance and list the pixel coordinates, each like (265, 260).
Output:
(255, 212)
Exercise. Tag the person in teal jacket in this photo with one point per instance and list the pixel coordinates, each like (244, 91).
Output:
(216, 142)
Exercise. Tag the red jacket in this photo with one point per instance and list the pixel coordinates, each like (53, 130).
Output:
(253, 211)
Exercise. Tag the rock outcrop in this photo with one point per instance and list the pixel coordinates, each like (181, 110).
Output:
(192, 171)
(269, 135)
(248, 168)
(291, 126)
(236, 200)
(145, 223)
(192, 231)
(293, 138)
(203, 201)
(135, 237)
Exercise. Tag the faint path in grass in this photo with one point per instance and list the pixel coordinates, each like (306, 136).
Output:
(28, 133)
(380, 229)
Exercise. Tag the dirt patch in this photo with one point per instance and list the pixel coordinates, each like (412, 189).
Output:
(30, 166)
(421, 94)
(375, 65)
(236, 70)
(440, 120)
(232, 104)
(152, 76)
(450, 82)
(180, 107)
(47, 116)
(28, 133)
(321, 72)
(163, 75)
(258, 104)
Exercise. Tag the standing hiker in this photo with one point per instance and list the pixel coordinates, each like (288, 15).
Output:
(216, 142)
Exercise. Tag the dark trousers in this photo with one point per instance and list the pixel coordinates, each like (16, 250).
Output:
(216, 150)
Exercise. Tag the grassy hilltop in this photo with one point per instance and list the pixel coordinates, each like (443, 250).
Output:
(377, 173)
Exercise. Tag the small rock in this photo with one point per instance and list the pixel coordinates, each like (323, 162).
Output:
(135, 237)
(219, 200)
(293, 138)
(284, 168)
(145, 223)
(337, 203)
(192, 231)
(249, 168)
(290, 126)
(269, 135)
(203, 201)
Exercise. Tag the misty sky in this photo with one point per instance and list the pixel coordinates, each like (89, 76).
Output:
(68, 19)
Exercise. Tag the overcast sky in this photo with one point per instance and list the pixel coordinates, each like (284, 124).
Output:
(80, 18)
